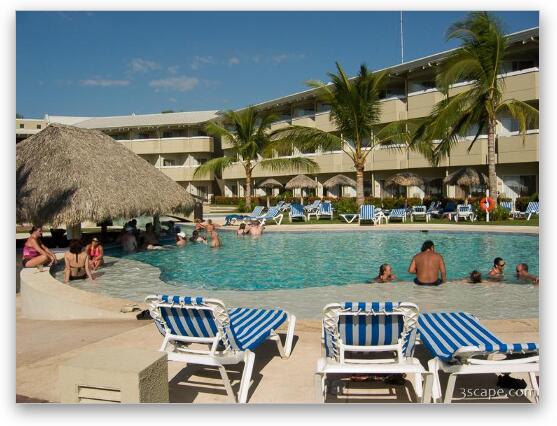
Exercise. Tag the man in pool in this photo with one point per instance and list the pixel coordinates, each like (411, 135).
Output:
(523, 274)
(428, 265)
(496, 273)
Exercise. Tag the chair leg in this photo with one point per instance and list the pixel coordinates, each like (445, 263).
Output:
(534, 384)
(227, 385)
(289, 336)
(319, 385)
(428, 386)
(418, 386)
(436, 385)
(450, 389)
(249, 358)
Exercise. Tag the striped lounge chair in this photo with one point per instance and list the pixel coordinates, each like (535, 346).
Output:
(230, 334)
(273, 214)
(296, 212)
(461, 345)
(256, 213)
(325, 209)
(396, 214)
(368, 213)
(532, 208)
(419, 211)
(352, 331)
(313, 206)
(508, 206)
(464, 211)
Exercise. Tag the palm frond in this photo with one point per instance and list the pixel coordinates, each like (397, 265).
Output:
(295, 164)
(216, 165)
(526, 115)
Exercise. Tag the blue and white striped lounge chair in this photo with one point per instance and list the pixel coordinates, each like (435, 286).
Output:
(461, 345)
(464, 211)
(231, 334)
(396, 214)
(272, 214)
(532, 208)
(352, 331)
(419, 211)
(325, 209)
(368, 213)
(508, 205)
(256, 213)
(296, 212)
(313, 206)
(434, 209)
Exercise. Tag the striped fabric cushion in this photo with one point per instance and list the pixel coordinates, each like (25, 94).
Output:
(257, 211)
(297, 210)
(186, 321)
(397, 213)
(419, 209)
(464, 208)
(325, 209)
(251, 327)
(444, 333)
(533, 207)
(507, 205)
(367, 212)
(273, 211)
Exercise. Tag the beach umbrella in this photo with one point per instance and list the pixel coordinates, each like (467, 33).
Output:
(68, 175)
(465, 178)
(301, 181)
(339, 180)
(405, 179)
(269, 183)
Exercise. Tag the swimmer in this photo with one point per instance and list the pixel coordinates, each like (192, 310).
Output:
(428, 265)
(385, 274)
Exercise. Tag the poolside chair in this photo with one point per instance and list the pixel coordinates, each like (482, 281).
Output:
(296, 212)
(230, 334)
(461, 345)
(532, 208)
(256, 213)
(368, 213)
(325, 209)
(313, 206)
(464, 211)
(419, 211)
(353, 332)
(434, 209)
(396, 214)
(508, 206)
(272, 214)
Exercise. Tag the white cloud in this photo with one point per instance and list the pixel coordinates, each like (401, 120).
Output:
(101, 82)
(233, 60)
(181, 83)
(198, 61)
(143, 65)
(277, 59)
(173, 100)
(173, 69)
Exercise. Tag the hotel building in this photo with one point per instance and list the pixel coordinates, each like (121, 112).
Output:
(176, 143)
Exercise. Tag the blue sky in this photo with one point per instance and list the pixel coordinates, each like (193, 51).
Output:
(115, 63)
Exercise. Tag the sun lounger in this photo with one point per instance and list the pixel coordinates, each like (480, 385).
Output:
(296, 212)
(464, 211)
(272, 214)
(532, 208)
(461, 345)
(419, 211)
(325, 209)
(397, 214)
(313, 206)
(353, 331)
(231, 334)
(369, 213)
(434, 209)
(256, 213)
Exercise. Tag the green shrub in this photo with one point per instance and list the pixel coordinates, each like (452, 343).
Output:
(521, 203)
(345, 205)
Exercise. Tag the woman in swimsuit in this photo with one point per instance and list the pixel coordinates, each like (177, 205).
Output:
(77, 263)
(95, 252)
(181, 239)
(35, 253)
(385, 274)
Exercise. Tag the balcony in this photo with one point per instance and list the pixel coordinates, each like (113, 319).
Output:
(185, 173)
(513, 149)
(170, 145)
(392, 109)
(421, 103)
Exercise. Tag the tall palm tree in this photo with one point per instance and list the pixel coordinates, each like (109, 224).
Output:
(355, 110)
(247, 132)
(480, 59)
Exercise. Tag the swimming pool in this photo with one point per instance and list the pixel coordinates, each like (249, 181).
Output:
(319, 259)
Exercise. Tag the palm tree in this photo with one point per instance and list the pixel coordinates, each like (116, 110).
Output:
(480, 60)
(355, 110)
(247, 132)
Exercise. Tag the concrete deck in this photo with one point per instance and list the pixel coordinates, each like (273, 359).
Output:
(42, 346)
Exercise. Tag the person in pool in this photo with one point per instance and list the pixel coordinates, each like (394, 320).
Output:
(428, 265)
(496, 273)
(475, 277)
(35, 253)
(385, 274)
(256, 228)
(523, 274)
(242, 230)
(181, 240)
(215, 241)
(95, 252)
(196, 238)
(77, 263)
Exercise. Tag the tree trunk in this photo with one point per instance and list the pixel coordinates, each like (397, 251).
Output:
(492, 175)
(359, 185)
(248, 191)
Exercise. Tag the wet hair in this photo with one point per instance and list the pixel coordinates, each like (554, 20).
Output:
(210, 221)
(475, 276)
(242, 226)
(34, 228)
(427, 245)
(382, 268)
(497, 260)
(524, 266)
(76, 247)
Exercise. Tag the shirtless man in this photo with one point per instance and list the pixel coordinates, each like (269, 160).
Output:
(215, 241)
(211, 227)
(255, 229)
(128, 241)
(496, 273)
(427, 266)
(523, 274)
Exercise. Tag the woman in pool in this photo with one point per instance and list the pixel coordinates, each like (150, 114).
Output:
(77, 263)
(35, 253)
(196, 238)
(215, 242)
(475, 277)
(95, 252)
(385, 274)
(243, 230)
(181, 239)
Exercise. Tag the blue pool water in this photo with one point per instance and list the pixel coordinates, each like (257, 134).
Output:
(318, 259)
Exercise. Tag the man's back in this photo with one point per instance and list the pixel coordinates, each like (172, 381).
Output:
(427, 266)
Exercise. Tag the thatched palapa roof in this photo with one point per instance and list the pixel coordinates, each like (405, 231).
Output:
(465, 177)
(67, 175)
(270, 183)
(404, 179)
(339, 180)
(301, 181)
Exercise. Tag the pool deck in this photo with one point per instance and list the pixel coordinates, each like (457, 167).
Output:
(42, 346)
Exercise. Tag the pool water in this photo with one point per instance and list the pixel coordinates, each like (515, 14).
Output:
(294, 260)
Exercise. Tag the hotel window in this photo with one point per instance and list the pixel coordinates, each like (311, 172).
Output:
(144, 136)
(168, 134)
(169, 162)
(22, 126)
(322, 107)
